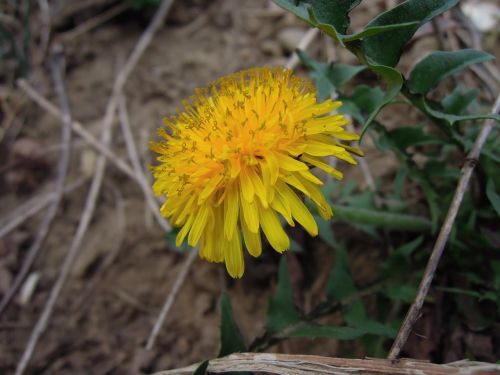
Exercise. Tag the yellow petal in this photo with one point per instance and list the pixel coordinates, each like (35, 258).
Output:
(299, 210)
(250, 214)
(233, 256)
(199, 223)
(231, 209)
(317, 162)
(252, 241)
(184, 231)
(290, 164)
(247, 189)
(259, 188)
(273, 230)
(283, 207)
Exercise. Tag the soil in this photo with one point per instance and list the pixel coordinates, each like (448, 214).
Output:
(125, 268)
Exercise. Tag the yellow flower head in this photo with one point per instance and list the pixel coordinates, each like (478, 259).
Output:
(240, 154)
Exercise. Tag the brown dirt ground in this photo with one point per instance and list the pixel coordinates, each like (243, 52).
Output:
(105, 313)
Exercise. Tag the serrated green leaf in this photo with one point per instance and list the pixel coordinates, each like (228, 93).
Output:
(460, 98)
(314, 331)
(230, 336)
(405, 137)
(328, 77)
(282, 312)
(386, 49)
(325, 231)
(363, 101)
(375, 30)
(333, 13)
(493, 196)
(394, 83)
(340, 284)
(402, 292)
(440, 64)
(381, 219)
(430, 109)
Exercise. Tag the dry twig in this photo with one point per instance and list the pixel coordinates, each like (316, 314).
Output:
(423, 289)
(87, 214)
(291, 364)
(31, 207)
(181, 277)
(62, 170)
(308, 37)
(134, 158)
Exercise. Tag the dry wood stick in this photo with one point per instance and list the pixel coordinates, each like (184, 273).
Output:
(179, 281)
(292, 364)
(62, 171)
(136, 164)
(90, 202)
(31, 207)
(308, 37)
(423, 289)
(70, 257)
(77, 128)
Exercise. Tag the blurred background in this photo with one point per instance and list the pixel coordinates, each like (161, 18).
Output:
(127, 264)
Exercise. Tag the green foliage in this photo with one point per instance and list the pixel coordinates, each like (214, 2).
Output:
(230, 336)
(282, 312)
(440, 64)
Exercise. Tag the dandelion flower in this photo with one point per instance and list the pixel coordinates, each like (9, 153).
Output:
(240, 155)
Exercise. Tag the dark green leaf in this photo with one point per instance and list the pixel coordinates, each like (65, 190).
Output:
(328, 77)
(375, 30)
(385, 49)
(325, 231)
(202, 368)
(327, 12)
(440, 64)
(405, 137)
(370, 326)
(493, 196)
(394, 83)
(230, 335)
(402, 292)
(457, 102)
(281, 312)
(339, 333)
(430, 109)
(381, 219)
(340, 283)
(365, 98)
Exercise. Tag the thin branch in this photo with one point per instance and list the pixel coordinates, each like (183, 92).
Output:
(423, 289)
(70, 257)
(89, 209)
(179, 281)
(136, 164)
(62, 171)
(95, 21)
(308, 37)
(292, 364)
(31, 207)
(76, 127)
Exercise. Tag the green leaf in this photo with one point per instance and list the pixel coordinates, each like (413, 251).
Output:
(281, 312)
(375, 30)
(381, 219)
(394, 82)
(363, 101)
(202, 368)
(430, 109)
(440, 64)
(340, 284)
(230, 335)
(493, 196)
(402, 292)
(313, 331)
(328, 77)
(333, 13)
(386, 49)
(325, 231)
(370, 326)
(405, 137)
(457, 102)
